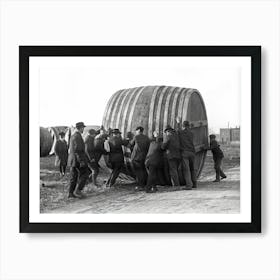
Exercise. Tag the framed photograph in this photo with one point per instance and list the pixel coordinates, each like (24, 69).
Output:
(140, 138)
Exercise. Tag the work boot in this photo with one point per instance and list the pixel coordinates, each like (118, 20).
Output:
(148, 190)
(71, 195)
(154, 189)
(79, 194)
(187, 188)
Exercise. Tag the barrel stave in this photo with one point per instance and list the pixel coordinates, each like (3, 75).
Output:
(155, 107)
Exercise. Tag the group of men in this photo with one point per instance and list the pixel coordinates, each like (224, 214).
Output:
(167, 160)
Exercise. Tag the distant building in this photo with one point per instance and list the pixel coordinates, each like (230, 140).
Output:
(235, 134)
(228, 135)
(225, 135)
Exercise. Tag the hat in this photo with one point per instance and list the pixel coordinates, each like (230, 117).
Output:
(80, 124)
(61, 133)
(212, 136)
(168, 128)
(186, 124)
(116, 131)
(140, 128)
(92, 131)
(129, 134)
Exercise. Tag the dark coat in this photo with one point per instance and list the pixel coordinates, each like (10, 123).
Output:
(77, 156)
(140, 144)
(99, 147)
(61, 152)
(216, 151)
(89, 147)
(172, 146)
(116, 151)
(155, 154)
(186, 140)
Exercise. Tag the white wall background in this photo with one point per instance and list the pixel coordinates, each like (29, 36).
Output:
(139, 256)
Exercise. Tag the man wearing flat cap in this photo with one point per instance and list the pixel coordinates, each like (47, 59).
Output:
(140, 146)
(116, 157)
(188, 154)
(78, 162)
(172, 147)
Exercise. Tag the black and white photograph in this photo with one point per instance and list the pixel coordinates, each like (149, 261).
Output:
(139, 140)
(151, 138)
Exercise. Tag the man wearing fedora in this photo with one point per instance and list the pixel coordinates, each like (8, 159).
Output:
(116, 157)
(188, 154)
(172, 147)
(78, 162)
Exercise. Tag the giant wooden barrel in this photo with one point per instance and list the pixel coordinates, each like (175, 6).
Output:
(155, 107)
(46, 142)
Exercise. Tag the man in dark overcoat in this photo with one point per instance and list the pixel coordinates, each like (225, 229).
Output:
(171, 145)
(188, 155)
(140, 146)
(154, 163)
(116, 157)
(61, 153)
(218, 156)
(78, 162)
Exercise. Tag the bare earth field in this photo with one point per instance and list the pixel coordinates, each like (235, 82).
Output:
(209, 197)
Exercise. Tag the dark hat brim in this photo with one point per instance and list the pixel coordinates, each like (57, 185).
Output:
(80, 125)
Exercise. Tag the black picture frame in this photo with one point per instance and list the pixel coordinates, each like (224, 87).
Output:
(25, 52)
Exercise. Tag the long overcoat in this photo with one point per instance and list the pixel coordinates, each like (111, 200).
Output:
(171, 145)
(140, 144)
(61, 152)
(77, 155)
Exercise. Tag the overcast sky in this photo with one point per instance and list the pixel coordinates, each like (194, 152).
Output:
(76, 89)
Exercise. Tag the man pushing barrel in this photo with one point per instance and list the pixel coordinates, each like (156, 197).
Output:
(188, 154)
(217, 157)
(140, 146)
(116, 157)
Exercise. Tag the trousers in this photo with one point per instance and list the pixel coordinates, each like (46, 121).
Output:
(218, 169)
(116, 169)
(62, 168)
(189, 172)
(78, 177)
(94, 168)
(155, 176)
(174, 171)
(166, 174)
(140, 172)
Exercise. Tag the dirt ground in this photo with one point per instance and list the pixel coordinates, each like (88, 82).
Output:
(209, 197)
